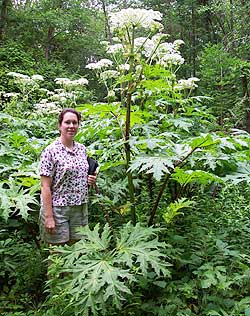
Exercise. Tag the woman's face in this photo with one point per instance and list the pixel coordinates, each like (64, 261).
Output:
(69, 125)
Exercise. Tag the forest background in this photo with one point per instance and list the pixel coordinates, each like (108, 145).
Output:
(166, 112)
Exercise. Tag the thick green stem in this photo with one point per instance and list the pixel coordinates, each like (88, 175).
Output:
(155, 206)
(128, 159)
(130, 89)
(166, 180)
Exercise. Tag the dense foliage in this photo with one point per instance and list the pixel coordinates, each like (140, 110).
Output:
(168, 232)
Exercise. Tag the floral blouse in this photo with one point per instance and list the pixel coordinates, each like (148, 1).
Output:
(69, 172)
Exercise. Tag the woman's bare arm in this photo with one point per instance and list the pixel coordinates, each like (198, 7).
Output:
(47, 203)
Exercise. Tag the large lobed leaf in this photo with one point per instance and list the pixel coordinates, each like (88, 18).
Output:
(100, 269)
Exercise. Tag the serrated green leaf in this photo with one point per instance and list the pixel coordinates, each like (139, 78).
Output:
(96, 278)
(22, 204)
(158, 166)
(203, 141)
(173, 209)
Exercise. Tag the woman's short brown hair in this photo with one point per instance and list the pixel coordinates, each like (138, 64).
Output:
(64, 111)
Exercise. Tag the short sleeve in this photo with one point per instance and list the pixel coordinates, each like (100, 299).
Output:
(46, 163)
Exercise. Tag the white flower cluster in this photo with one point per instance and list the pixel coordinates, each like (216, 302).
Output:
(103, 63)
(165, 54)
(63, 96)
(37, 77)
(154, 49)
(17, 75)
(109, 74)
(46, 107)
(178, 43)
(72, 83)
(171, 59)
(123, 67)
(9, 95)
(114, 49)
(58, 95)
(127, 18)
(144, 45)
(25, 79)
(168, 54)
(189, 83)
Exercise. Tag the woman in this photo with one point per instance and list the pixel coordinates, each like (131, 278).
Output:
(64, 183)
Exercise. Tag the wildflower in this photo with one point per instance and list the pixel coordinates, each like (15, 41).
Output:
(10, 95)
(59, 90)
(114, 49)
(92, 66)
(108, 74)
(17, 75)
(103, 63)
(171, 59)
(26, 81)
(178, 43)
(43, 101)
(145, 45)
(81, 81)
(37, 77)
(58, 97)
(124, 67)
(159, 37)
(165, 48)
(62, 81)
(127, 18)
(47, 107)
(111, 94)
(44, 90)
(187, 83)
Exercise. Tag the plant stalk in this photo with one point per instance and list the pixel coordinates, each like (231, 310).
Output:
(155, 206)
(128, 159)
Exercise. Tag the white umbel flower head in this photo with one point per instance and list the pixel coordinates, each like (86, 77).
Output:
(141, 18)
(109, 74)
(124, 67)
(114, 49)
(178, 43)
(18, 75)
(103, 63)
(10, 95)
(144, 45)
(62, 81)
(171, 59)
(37, 77)
(189, 83)
(82, 81)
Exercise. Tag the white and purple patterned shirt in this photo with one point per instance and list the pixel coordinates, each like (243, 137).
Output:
(69, 172)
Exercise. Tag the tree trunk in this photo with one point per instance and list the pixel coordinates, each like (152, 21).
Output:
(107, 27)
(48, 47)
(3, 18)
(246, 101)
(231, 16)
(193, 39)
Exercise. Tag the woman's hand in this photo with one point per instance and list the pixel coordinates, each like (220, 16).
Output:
(92, 179)
(50, 224)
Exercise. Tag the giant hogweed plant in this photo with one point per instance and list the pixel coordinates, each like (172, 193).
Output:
(156, 125)
(34, 101)
(102, 269)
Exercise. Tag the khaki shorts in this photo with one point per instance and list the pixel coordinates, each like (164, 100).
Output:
(68, 219)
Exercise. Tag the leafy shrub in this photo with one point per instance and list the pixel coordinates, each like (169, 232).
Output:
(102, 270)
(22, 272)
(210, 253)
